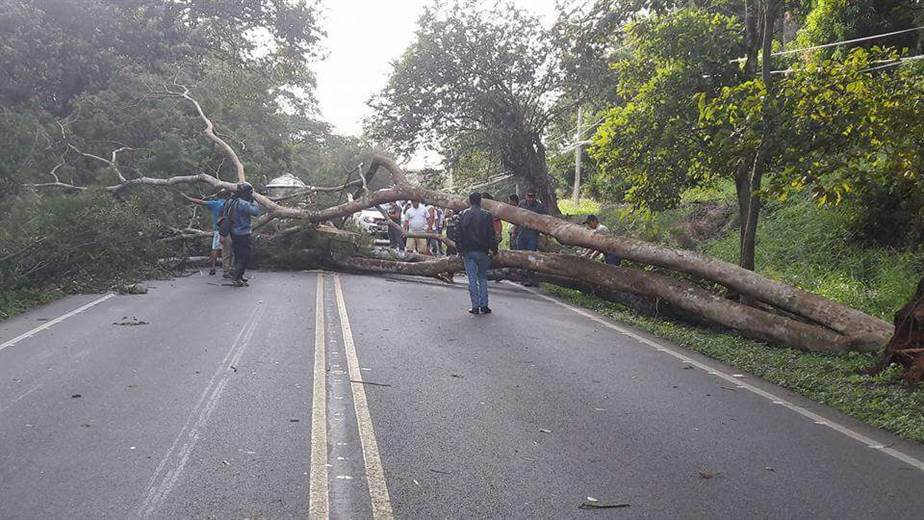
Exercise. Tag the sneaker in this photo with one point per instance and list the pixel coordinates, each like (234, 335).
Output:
(485, 310)
(474, 310)
(238, 283)
(226, 275)
(212, 272)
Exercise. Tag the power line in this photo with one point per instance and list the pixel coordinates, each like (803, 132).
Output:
(835, 44)
(855, 40)
(887, 63)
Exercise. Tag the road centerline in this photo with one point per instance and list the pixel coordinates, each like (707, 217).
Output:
(318, 491)
(375, 474)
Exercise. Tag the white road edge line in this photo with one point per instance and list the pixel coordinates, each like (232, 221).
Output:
(318, 506)
(375, 474)
(55, 321)
(775, 399)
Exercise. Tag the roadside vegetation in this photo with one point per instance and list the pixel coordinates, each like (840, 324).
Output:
(811, 247)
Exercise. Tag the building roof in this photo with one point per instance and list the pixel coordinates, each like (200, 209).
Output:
(286, 180)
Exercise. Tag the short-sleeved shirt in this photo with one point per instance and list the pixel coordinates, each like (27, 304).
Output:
(416, 218)
(215, 207)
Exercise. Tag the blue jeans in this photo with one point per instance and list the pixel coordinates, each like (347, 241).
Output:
(476, 268)
(528, 240)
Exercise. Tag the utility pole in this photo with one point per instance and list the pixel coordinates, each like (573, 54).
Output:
(576, 194)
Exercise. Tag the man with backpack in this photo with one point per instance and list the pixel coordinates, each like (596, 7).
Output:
(477, 243)
(235, 222)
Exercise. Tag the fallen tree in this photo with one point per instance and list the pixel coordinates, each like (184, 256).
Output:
(781, 314)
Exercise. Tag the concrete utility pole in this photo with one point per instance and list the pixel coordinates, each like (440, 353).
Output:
(576, 194)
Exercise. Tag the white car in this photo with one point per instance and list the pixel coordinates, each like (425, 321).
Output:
(372, 222)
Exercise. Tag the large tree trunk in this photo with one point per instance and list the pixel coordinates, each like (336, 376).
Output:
(781, 313)
(750, 321)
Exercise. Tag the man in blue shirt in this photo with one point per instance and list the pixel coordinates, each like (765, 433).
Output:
(215, 206)
(241, 210)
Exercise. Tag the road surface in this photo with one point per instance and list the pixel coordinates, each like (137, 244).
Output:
(312, 395)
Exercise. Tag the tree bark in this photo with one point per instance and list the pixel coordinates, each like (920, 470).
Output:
(750, 321)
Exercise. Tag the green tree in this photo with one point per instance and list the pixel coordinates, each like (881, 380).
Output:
(491, 79)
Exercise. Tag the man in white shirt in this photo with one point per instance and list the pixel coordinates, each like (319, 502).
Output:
(416, 221)
(593, 223)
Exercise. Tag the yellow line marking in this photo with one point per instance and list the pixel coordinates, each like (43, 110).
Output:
(375, 474)
(318, 492)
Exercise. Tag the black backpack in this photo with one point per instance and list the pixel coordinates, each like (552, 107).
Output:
(454, 228)
(226, 220)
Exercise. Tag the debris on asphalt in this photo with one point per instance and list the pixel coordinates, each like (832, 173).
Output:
(226, 463)
(418, 483)
(85, 425)
(727, 388)
(687, 367)
(706, 474)
(293, 420)
(234, 368)
(76, 396)
(132, 288)
(129, 322)
(768, 468)
(739, 376)
(368, 383)
(459, 376)
(441, 472)
(543, 430)
(597, 505)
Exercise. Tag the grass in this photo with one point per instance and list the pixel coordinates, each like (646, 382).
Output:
(18, 301)
(830, 379)
(811, 248)
(583, 207)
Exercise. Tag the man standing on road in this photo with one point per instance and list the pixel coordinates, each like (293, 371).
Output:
(416, 221)
(527, 238)
(593, 223)
(477, 243)
(242, 207)
(215, 206)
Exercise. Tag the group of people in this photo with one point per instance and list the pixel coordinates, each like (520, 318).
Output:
(480, 234)
(231, 231)
(415, 227)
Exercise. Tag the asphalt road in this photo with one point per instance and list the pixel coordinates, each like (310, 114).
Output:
(342, 396)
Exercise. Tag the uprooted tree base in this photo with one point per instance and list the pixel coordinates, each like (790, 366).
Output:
(907, 344)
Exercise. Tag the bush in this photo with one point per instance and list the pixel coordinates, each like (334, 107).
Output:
(77, 243)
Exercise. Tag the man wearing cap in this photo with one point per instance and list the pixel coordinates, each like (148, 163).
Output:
(528, 239)
(242, 208)
(593, 223)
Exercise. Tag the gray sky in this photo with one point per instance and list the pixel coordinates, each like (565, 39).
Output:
(363, 38)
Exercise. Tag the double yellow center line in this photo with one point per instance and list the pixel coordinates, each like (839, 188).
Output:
(375, 474)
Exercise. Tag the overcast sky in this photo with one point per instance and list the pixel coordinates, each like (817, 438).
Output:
(363, 38)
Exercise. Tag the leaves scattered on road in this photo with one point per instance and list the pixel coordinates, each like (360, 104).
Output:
(129, 322)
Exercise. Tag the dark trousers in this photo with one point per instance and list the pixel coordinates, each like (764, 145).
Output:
(242, 252)
(395, 238)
